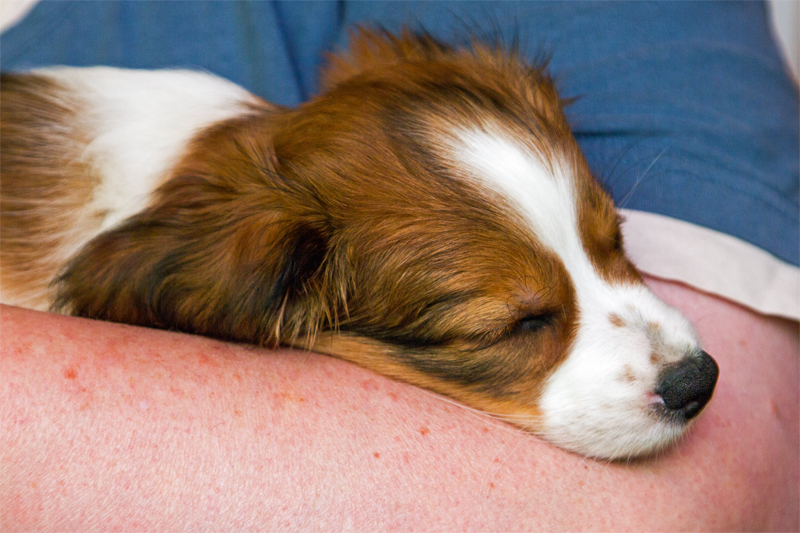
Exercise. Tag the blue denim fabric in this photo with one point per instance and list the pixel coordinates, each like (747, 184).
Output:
(685, 108)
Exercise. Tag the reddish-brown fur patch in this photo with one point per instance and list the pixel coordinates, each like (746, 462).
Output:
(599, 224)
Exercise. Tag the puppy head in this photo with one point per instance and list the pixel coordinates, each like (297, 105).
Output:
(479, 256)
(428, 216)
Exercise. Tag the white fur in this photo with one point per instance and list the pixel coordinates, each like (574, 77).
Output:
(586, 404)
(140, 122)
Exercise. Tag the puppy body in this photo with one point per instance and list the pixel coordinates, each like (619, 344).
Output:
(428, 216)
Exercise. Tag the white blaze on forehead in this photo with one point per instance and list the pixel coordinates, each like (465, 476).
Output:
(542, 195)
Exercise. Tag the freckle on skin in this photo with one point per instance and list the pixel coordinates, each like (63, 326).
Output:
(70, 373)
(424, 431)
(376, 455)
(369, 385)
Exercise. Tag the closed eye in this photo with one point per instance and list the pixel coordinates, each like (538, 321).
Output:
(534, 323)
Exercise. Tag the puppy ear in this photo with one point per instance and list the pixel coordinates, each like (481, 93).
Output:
(372, 48)
(228, 249)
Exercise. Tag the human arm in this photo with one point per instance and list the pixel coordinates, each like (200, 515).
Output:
(113, 427)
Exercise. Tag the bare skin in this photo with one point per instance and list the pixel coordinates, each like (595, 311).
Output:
(110, 427)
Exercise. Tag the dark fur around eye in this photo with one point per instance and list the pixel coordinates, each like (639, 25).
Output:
(618, 241)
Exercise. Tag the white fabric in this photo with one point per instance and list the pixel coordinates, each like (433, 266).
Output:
(713, 262)
(12, 11)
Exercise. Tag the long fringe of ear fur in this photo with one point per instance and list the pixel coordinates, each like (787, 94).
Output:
(228, 249)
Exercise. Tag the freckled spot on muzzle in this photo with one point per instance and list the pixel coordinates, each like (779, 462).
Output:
(616, 320)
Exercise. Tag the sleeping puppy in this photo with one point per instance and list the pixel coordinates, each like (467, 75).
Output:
(428, 216)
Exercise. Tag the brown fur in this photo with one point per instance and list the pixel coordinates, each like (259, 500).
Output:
(45, 185)
(338, 226)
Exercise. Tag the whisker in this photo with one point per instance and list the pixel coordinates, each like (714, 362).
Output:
(624, 201)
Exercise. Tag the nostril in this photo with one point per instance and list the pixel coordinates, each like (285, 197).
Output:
(687, 386)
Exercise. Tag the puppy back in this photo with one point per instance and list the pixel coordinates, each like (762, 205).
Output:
(45, 183)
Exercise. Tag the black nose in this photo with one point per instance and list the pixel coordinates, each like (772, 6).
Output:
(687, 386)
